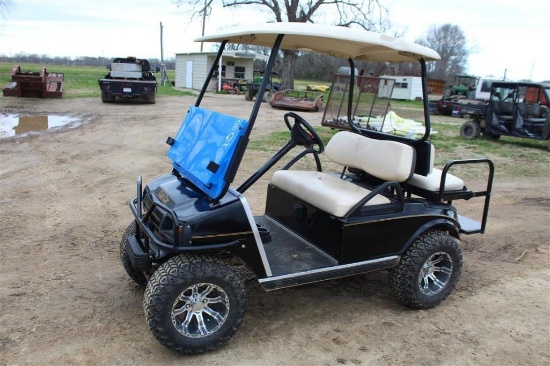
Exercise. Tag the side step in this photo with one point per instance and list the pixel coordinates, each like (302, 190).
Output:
(328, 273)
(469, 226)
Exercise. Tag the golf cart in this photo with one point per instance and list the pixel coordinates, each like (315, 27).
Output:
(194, 239)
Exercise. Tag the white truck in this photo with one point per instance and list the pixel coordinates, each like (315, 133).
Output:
(129, 77)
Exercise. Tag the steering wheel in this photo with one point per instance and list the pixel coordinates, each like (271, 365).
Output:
(302, 133)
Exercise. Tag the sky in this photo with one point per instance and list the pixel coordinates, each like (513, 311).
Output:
(507, 38)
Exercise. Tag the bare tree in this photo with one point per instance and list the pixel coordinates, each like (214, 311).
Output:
(450, 42)
(367, 14)
(5, 6)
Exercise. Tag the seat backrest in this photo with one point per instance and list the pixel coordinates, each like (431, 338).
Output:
(503, 108)
(529, 110)
(384, 159)
(424, 157)
(204, 148)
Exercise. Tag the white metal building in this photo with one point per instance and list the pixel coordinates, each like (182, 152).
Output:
(405, 87)
(191, 68)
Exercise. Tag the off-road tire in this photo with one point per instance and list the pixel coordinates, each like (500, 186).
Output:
(492, 136)
(137, 276)
(470, 130)
(433, 255)
(248, 95)
(267, 96)
(178, 292)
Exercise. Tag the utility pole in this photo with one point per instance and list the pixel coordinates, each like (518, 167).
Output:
(531, 73)
(162, 66)
(203, 19)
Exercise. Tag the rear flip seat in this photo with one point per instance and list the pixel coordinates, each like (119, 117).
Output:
(387, 160)
(432, 181)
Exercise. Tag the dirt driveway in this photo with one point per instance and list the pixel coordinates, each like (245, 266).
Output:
(65, 298)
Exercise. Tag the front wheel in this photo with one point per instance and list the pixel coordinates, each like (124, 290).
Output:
(428, 271)
(194, 304)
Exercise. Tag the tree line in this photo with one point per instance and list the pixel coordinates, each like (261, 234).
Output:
(77, 61)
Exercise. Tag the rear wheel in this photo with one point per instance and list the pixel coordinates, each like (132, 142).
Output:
(470, 130)
(248, 95)
(428, 271)
(107, 97)
(194, 304)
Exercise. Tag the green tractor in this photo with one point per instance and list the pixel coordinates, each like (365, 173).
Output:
(273, 86)
(463, 85)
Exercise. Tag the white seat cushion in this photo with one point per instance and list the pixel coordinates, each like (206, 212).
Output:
(433, 180)
(324, 191)
(384, 159)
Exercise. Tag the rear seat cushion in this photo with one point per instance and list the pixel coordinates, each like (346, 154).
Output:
(325, 191)
(433, 180)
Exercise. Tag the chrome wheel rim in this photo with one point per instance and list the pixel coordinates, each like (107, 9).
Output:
(435, 273)
(200, 310)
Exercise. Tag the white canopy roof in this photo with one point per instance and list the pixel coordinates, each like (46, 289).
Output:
(332, 40)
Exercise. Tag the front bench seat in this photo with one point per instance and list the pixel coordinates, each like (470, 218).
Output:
(387, 160)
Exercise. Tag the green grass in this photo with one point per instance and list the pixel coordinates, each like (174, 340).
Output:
(80, 81)
(407, 103)
(512, 157)
(301, 84)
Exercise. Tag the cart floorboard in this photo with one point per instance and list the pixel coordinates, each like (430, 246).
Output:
(289, 253)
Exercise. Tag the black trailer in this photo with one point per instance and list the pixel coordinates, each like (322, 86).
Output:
(193, 238)
(460, 107)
